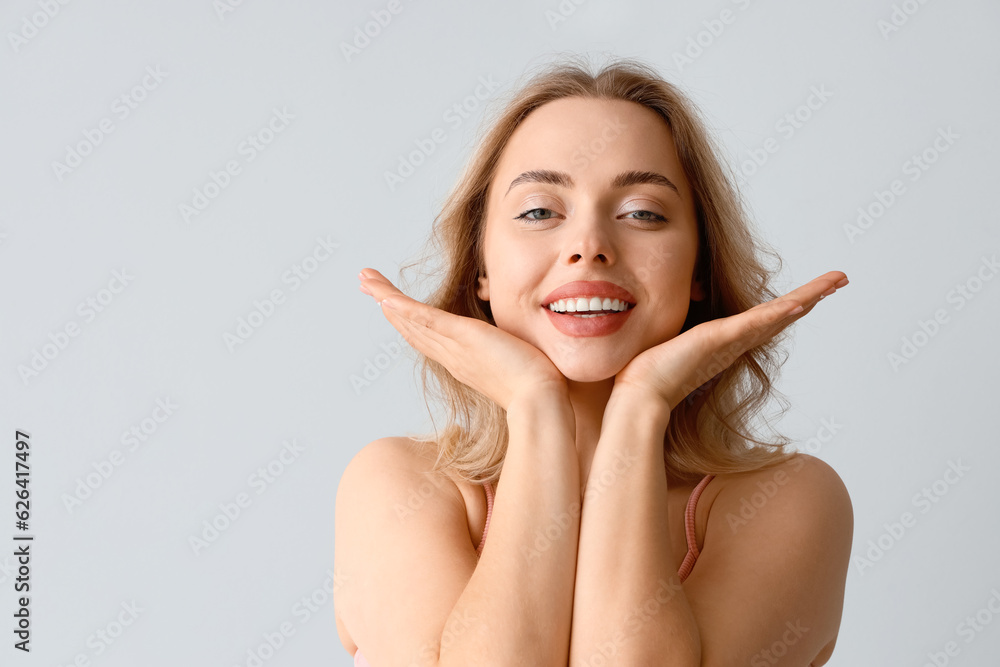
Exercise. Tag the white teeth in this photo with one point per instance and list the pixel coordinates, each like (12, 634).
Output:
(587, 304)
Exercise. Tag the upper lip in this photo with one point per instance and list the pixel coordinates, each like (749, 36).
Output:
(582, 288)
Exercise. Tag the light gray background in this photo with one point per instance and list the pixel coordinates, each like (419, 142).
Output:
(162, 337)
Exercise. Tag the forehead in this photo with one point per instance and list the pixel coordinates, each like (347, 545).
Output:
(591, 139)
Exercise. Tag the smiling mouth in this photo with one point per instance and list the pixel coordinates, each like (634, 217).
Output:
(592, 315)
(606, 317)
(589, 307)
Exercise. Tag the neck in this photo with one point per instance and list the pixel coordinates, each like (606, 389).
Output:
(589, 400)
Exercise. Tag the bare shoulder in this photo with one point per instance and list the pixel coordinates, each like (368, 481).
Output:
(393, 451)
(397, 463)
(398, 526)
(803, 496)
(778, 541)
(391, 478)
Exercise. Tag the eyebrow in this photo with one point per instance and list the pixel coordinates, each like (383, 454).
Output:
(622, 180)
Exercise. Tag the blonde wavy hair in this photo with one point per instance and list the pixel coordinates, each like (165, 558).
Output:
(709, 432)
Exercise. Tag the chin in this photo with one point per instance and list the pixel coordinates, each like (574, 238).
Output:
(581, 369)
(589, 378)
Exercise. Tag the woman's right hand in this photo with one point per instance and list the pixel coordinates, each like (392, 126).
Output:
(484, 357)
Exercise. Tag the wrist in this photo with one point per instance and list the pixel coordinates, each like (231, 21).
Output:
(637, 407)
(548, 402)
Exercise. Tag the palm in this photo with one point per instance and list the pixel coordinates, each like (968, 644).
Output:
(479, 355)
(673, 369)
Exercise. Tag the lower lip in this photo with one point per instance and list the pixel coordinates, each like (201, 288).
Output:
(602, 325)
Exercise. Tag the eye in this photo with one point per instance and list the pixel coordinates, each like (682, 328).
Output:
(528, 215)
(647, 216)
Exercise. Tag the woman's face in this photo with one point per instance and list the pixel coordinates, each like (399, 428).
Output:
(590, 191)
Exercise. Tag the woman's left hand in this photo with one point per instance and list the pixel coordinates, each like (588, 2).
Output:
(668, 372)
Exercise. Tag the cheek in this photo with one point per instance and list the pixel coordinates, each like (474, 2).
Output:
(667, 312)
(516, 277)
(514, 302)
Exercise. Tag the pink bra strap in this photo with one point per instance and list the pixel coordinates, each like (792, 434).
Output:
(489, 512)
(692, 542)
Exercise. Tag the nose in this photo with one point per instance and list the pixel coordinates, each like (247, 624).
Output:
(589, 242)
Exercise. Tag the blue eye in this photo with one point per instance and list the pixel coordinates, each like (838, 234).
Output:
(524, 215)
(654, 217)
(532, 215)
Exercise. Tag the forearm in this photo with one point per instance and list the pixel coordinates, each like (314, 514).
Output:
(522, 587)
(629, 605)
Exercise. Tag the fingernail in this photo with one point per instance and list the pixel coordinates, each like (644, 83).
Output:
(798, 309)
(365, 289)
(841, 283)
(386, 303)
(830, 291)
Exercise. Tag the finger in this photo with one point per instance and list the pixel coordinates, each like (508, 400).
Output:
(450, 352)
(440, 323)
(423, 339)
(810, 293)
(372, 280)
(430, 330)
(799, 302)
(764, 321)
(405, 314)
(416, 336)
(758, 324)
(416, 312)
(380, 289)
(796, 304)
(378, 286)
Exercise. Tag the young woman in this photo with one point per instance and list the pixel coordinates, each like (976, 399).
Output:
(602, 337)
